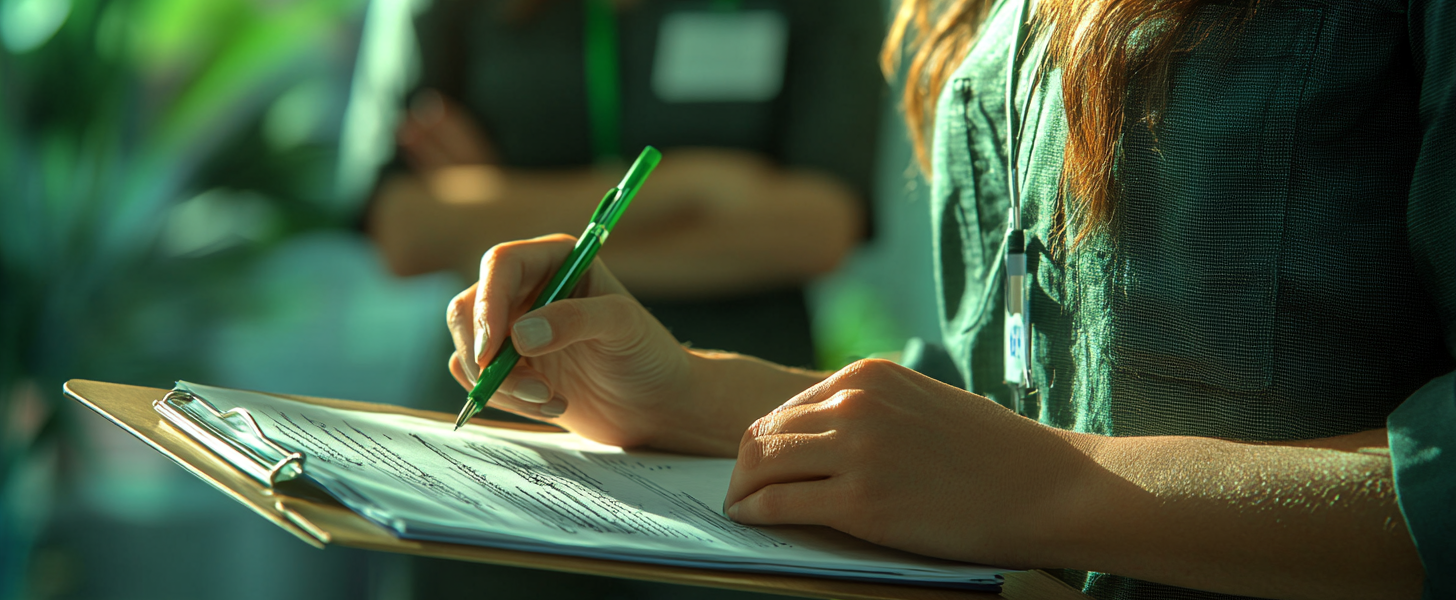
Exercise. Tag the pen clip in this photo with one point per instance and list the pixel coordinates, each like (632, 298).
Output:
(604, 207)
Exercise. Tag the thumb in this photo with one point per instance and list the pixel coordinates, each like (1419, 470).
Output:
(613, 320)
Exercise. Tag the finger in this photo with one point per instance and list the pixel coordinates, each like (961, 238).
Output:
(441, 133)
(612, 319)
(425, 153)
(427, 107)
(458, 319)
(800, 503)
(417, 139)
(819, 417)
(850, 377)
(523, 382)
(519, 394)
(510, 275)
(459, 141)
(815, 393)
(409, 132)
(528, 385)
(455, 130)
(774, 459)
(544, 411)
(457, 369)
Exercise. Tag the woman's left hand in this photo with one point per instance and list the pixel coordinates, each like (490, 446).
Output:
(891, 456)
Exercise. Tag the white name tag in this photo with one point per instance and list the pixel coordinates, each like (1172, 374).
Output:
(720, 56)
(1014, 369)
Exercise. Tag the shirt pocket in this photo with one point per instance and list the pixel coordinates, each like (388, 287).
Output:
(1201, 213)
(961, 255)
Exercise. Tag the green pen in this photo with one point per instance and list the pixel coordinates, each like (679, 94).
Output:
(564, 281)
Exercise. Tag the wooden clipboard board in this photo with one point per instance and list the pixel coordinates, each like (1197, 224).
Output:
(320, 521)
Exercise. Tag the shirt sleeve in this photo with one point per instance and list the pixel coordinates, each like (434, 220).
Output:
(1423, 450)
(1423, 429)
(931, 360)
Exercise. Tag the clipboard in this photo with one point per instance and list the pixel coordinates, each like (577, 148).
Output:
(267, 488)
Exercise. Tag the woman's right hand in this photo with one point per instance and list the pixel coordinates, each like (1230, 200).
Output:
(597, 363)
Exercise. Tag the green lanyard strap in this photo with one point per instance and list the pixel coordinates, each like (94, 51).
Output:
(603, 83)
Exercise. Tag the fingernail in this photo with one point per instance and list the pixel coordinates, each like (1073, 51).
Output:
(733, 511)
(532, 333)
(555, 408)
(480, 339)
(531, 390)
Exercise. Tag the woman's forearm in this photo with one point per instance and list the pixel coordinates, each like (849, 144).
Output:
(1304, 520)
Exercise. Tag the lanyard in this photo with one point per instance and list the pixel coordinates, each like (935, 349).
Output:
(1014, 124)
(1016, 338)
(602, 61)
(603, 80)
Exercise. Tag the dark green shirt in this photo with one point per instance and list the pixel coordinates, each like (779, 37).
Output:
(1282, 262)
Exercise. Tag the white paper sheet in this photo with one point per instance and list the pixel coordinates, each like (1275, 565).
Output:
(558, 493)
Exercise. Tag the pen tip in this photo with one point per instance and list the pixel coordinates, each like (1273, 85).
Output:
(465, 413)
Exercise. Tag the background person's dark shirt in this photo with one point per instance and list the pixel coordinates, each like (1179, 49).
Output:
(523, 79)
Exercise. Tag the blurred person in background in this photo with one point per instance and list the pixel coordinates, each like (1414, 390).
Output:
(767, 112)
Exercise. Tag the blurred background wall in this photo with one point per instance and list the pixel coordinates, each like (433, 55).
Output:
(180, 187)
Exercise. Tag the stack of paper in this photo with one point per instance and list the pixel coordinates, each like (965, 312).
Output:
(559, 493)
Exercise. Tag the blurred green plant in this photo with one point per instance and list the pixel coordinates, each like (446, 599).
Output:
(112, 114)
(852, 322)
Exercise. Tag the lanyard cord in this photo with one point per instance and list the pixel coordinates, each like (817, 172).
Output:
(1016, 338)
(603, 80)
(1014, 124)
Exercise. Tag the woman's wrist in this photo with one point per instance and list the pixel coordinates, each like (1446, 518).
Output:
(726, 393)
(1059, 530)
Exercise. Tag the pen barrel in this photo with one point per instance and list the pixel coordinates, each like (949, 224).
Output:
(495, 373)
(564, 281)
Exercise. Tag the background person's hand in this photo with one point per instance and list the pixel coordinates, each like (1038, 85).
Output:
(597, 363)
(894, 457)
(437, 133)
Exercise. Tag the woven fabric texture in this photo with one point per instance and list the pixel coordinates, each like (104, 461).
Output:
(1282, 262)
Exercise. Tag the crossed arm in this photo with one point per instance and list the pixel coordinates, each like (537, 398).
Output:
(710, 221)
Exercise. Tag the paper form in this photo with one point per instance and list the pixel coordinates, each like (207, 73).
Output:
(557, 493)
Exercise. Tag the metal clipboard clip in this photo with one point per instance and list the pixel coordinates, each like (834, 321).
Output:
(233, 435)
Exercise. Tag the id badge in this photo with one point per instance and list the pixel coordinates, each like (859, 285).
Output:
(715, 56)
(1017, 336)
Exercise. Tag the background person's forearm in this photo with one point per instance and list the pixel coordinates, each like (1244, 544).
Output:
(793, 226)
(1312, 520)
(451, 219)
(710, 222)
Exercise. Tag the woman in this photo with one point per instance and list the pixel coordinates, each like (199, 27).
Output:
(1239, 224)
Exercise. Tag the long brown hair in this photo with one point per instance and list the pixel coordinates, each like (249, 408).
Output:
(1092, 42)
